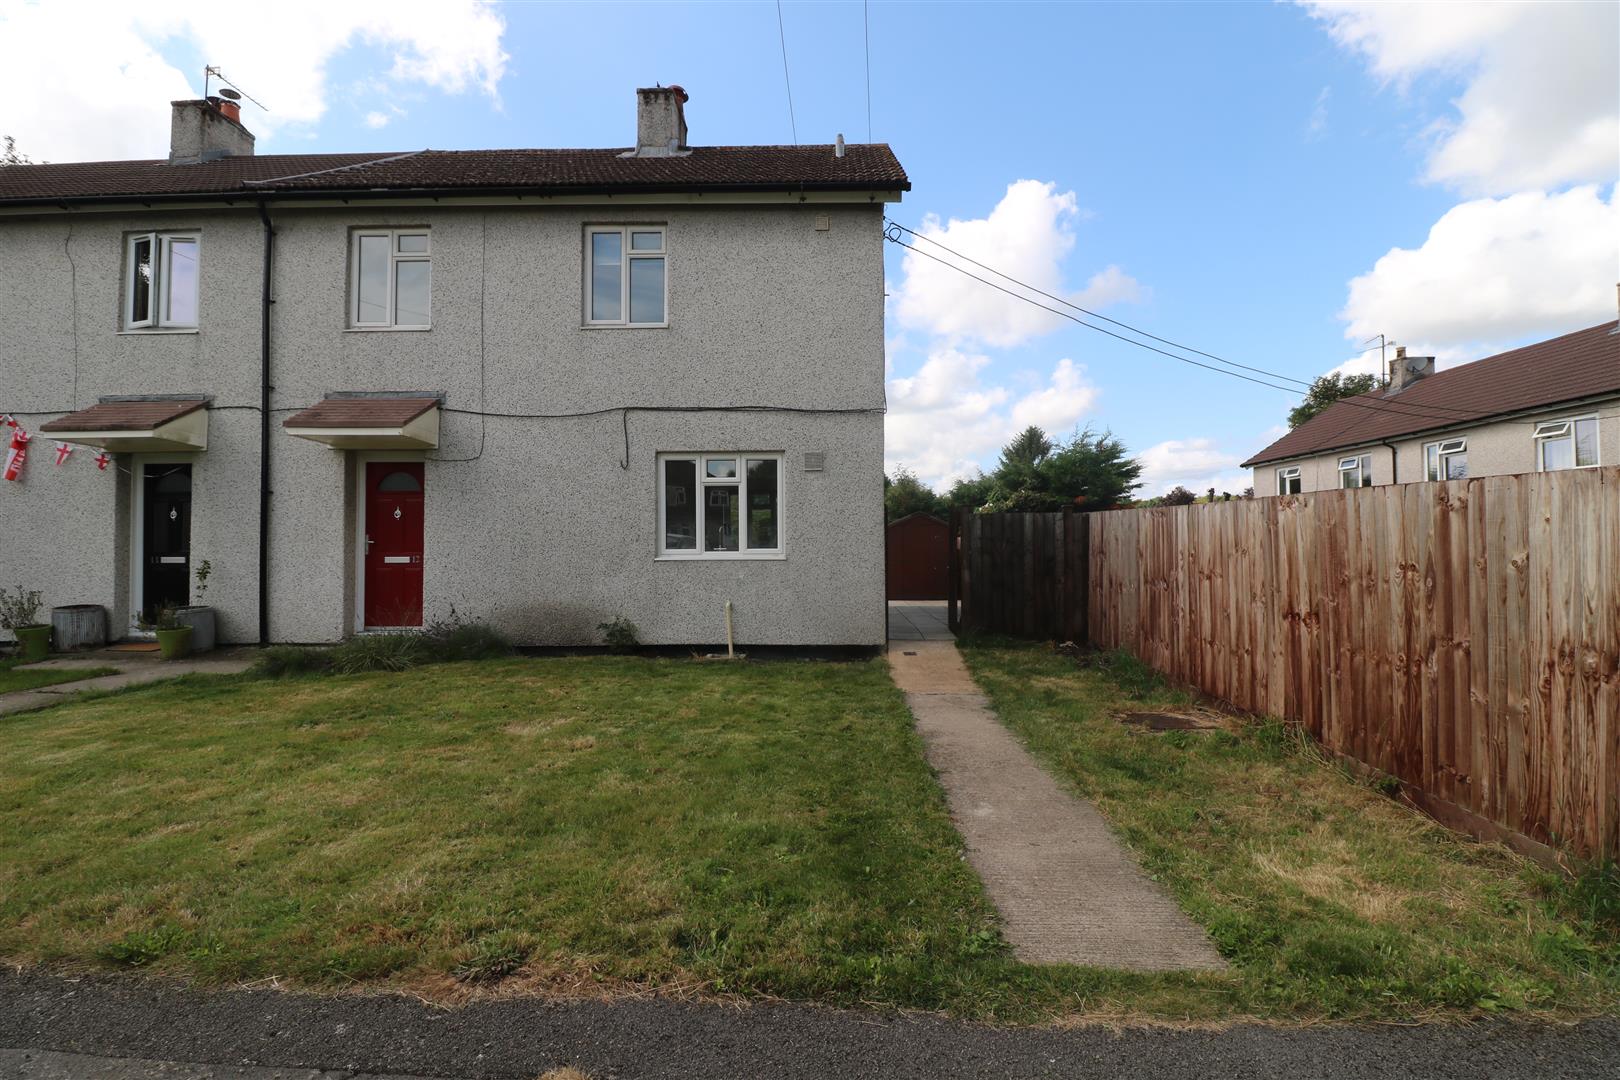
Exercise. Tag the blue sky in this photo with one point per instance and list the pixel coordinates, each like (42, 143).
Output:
(1219, 174)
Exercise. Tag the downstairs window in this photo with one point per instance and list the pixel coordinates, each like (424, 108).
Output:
(719, 505)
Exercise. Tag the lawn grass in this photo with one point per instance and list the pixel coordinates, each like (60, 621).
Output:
(13, 678)
(1326, 896)
(598, 825)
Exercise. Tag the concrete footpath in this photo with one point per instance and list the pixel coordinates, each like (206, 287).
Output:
(124, 1028)
(1067, 891)
(134, 669)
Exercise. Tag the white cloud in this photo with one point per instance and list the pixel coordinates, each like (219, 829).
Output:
(944, 420)
(1539, 109)
(1028, 235)
(112, 101)
(1316, 127)
(1196, 464)
(376, 119)
(1494, 271)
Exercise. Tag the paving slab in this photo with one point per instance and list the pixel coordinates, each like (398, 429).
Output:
(1067, 890)
(135, 669)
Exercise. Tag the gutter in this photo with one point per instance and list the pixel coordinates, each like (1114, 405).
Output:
(264, 427)
(259, 191)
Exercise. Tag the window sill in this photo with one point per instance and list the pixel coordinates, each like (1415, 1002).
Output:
(625, 326)
(386, 329)
(159, 331)
(726, 556)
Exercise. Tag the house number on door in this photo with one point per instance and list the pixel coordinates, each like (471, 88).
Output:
(396, 513)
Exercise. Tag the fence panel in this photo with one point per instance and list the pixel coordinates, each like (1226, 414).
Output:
(1461, 636)
(1024, 575)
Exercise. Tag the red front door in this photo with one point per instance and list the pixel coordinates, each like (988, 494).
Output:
(393, 543)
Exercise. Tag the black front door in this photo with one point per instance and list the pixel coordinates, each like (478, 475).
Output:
(166, 575)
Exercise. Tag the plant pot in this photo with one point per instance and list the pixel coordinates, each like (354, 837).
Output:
(174, 643)
(33, 642)
(201, 621)
(79, 626)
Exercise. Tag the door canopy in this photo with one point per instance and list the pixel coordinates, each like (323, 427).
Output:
(370, 423)
(136, 425)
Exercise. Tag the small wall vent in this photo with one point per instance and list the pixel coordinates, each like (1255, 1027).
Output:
(815, 461)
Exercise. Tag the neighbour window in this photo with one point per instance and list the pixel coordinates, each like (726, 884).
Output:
(160, 290)
(625, 283)
(1446, 460)
(1567, 444)
(720, 505)
(1355, 471)
(391, 274)
(1288, 481)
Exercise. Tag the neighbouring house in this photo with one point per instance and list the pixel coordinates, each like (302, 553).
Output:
(1551, 405)
(542, 387)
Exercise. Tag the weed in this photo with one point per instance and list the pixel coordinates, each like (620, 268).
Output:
(620, 635)
(279, 661)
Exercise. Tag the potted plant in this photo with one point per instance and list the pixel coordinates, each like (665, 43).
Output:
(173, 636)
(19, 613)
(199, 616)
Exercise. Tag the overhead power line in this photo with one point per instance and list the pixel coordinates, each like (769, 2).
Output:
(1460, 413)
(781, 32)
(1397, 409)
(866, 37)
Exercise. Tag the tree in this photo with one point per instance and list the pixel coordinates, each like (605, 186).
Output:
(970, 492)
(1036, 473)
(1326, 389)
(9, 154)
(904, 494)
(1177, 496)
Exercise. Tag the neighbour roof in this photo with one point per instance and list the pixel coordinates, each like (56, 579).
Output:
(561, 172)
(362, 412)
(1580, 365)
(125, 415)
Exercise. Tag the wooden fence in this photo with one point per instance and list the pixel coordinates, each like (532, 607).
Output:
(1019, 574)
(1463, 637)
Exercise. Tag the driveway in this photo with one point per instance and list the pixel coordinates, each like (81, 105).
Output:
(130, 1029)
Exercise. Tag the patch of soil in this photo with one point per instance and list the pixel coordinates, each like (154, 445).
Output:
(1160, 721)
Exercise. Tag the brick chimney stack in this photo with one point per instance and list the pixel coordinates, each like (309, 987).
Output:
(660, 122)
(206, 129)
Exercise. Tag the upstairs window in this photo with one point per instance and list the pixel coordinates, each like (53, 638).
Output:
(1567, 444)
(625, 282)
(1288, 480)
(391, 275)
(722, 505)
(1447, 460)
(1355, 472)
(160, 290)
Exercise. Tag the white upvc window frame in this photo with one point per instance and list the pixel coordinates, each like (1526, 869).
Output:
(626, 256)
(1284, 476)
(1355, 472)
(1547, 431)
(156, 316)
(395, 257)
(1436, 453)
(740, 482)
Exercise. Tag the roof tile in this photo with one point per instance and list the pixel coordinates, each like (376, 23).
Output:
(362, 412)
(125, 415)
(1580, 365)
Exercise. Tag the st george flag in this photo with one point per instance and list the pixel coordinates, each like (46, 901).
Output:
(62, 451)
(16, 454)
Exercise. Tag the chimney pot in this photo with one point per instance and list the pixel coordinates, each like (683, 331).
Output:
(660, 122)
(838, 148)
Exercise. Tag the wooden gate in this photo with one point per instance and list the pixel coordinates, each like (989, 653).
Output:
(1020, 574)
(916, 557)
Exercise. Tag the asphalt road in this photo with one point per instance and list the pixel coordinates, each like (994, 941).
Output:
(126, 1029)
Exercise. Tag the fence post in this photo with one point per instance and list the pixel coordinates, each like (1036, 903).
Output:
(953, 570)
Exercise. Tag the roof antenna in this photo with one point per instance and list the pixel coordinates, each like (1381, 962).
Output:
(236, 92)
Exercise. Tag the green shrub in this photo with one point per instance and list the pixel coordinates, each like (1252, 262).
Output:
(450, 640)
(279, 661)
(380, 652)
(620, 635)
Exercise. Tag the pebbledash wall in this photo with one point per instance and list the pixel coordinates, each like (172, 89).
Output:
(543, 527)
(1495, 448)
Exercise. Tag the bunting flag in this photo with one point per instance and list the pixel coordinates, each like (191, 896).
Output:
(8, 420)
(17, 454)
(102, 461)
(62, 451)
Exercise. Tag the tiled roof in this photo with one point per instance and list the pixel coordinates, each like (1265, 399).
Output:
(706, 168)
(362, 412)
(1584, 364)
(125, 415)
